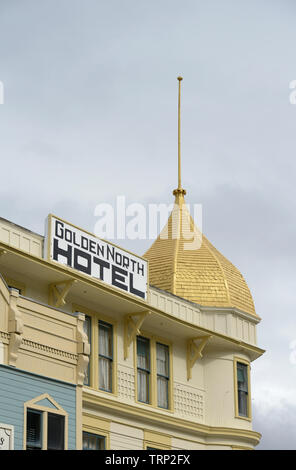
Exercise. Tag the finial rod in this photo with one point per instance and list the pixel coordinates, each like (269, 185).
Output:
(179, 135)
(179, 191)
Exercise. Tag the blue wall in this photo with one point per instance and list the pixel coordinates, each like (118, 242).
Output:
(17, 387)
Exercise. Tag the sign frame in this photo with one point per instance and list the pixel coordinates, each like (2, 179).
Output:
(48, 248)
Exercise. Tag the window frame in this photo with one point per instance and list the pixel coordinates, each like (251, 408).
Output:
(153, 371)
(146, 371)
(102, 436)
(96, 425)
(156, 440)
(166, 377)
(239, 360)
(95, 318)
(110, 359)
(56, 409)
(40, 413)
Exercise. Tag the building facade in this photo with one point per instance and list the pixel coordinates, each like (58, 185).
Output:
(94, 362)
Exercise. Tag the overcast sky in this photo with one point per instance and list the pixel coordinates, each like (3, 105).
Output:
(90, 113)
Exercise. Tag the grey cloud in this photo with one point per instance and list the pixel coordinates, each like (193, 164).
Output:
(277, 425)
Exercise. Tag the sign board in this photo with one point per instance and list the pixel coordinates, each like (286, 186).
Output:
(71, 246)
(6, 437)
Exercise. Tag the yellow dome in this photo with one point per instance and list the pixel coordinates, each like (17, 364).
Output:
(201, 275)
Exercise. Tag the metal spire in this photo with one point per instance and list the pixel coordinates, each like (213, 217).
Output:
(179, 190)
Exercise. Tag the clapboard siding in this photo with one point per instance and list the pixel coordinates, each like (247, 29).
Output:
(18, 387)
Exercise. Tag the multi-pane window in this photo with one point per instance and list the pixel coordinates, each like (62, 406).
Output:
(35, 430)
(143, 369)
(100, 373)
(87, 330)
(93, 441)
(242, 389)
(163, 375)
(153, 372)
(105, 356)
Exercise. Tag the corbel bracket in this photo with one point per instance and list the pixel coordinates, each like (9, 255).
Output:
(15, 328)
(132, 328)
(58, 292)
(194, 352)
(83, 349)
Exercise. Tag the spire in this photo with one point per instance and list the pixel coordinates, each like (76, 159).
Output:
(199, 274)
(179, 191)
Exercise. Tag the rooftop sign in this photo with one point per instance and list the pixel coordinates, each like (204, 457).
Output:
(71, 246)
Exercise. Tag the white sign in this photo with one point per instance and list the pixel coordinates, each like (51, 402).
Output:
(82, 251)
(6, 437)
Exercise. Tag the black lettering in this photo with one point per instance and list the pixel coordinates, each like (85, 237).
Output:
(92, 247)
(74, 239)
(84, 243)
(141, 268)
(57, 251)
(133, 263)
(59, 234)
(79, 266)
(133, 290)
(111, 252)
(102, 264)
(118, 255)
(68, 235)
(100, 250)
(117, 279)
(125, 262)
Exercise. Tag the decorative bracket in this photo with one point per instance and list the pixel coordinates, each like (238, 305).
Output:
(15, 328)
(83, 349)
(57, 298)
(132, 329)
(194, 352)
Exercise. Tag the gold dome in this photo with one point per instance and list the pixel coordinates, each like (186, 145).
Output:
(201, 275)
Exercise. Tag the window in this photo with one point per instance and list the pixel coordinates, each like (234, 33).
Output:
(143, 369)
(100, 373)
(93, 441)
(35, 430)
(242, 389)
(162, 360)
(55, 432)
(45, 424)
(153, 372)
(105, 356)
(87, 331)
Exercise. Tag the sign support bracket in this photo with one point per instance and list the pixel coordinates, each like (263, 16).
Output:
(132, 329)
(57, 297)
